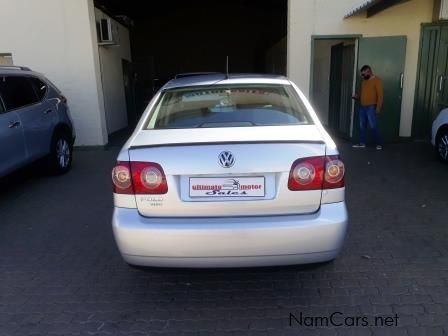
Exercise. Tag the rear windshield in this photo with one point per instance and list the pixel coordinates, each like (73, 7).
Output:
(229, 106)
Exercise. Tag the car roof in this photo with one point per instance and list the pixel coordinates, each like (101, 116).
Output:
(222, 79)
(18, 70)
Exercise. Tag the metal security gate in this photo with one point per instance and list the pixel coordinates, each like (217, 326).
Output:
(341, 88)
(432, 90)
(348, 62)
(386, 56)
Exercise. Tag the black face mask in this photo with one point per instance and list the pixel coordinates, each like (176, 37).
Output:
(366, 76)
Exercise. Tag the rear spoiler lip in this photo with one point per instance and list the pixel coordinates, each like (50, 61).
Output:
(185, 144)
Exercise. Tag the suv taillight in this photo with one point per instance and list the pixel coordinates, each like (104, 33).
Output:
(315, 173)
(139, 178)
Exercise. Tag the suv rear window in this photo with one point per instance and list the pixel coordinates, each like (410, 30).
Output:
(17, 92)
(229, 106)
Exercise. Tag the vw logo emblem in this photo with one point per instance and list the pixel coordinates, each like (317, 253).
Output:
(226, 159)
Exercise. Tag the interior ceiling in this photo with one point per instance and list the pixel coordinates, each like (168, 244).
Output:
(140, 9)
(196, 35)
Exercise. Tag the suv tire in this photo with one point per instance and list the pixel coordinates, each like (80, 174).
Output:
(442, 145)
(61, 153)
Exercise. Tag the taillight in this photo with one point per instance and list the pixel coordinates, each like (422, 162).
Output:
(315, 173)
(139, 178)
(148, 178)
(307, 174)
(63, 99)
(334, 173)
(121, 177)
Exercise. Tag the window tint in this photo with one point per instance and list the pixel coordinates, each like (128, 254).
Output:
(229, 106)
(40, 87)
(2, 109)
(17, 92)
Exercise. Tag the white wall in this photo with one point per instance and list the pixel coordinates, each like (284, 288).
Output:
(58, 38)
(326, 17)
(112, 76)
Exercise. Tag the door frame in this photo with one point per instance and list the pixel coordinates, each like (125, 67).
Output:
(419, 64)
(315, 38)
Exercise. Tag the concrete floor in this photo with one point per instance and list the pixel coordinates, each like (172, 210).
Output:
(61, 274)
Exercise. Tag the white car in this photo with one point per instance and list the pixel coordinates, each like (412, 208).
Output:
(440, 135)
(229, 171)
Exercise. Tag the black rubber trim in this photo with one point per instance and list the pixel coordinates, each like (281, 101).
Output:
(182, 144)
(311, 213)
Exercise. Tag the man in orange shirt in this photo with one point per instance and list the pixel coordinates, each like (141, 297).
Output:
(371, 103)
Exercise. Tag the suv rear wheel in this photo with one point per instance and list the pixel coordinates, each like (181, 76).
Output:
(60, 158)
(442, 145)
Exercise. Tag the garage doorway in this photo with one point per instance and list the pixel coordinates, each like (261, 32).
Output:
(335, 65)
(175, 36)
(129, 90)
(333, 83)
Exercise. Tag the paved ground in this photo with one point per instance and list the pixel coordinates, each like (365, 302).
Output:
(60, 272)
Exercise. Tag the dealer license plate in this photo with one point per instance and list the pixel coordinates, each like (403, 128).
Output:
(227, 186)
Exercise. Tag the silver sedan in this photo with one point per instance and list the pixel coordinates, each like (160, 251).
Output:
(229, 171)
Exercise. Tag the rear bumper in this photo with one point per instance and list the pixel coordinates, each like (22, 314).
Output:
(230, 241)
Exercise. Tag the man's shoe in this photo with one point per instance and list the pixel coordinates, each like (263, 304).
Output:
(379, 147)
(360, 145)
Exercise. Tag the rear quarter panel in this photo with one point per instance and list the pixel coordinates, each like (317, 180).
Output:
(441, 120)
